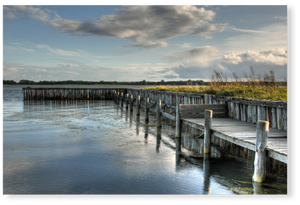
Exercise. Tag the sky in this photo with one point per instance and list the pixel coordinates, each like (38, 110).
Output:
(145, 42)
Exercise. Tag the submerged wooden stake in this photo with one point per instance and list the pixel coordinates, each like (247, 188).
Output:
(262, 132)
(207, 130)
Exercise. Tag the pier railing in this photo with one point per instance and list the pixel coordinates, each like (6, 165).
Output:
(245, 110)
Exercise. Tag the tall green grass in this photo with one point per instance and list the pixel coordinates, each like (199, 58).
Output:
(251, 86)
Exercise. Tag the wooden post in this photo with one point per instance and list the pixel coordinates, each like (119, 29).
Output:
(126, 99)
(262, 132)
(158, 113)
(178, 121)
(138, 106)
(207, 132)
(147, 110)
(131, 103)
(25, 94)
(122, 99)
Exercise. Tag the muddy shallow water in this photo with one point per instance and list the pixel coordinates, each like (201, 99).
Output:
(95, 147)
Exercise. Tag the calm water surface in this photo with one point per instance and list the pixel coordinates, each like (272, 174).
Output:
(95, 147)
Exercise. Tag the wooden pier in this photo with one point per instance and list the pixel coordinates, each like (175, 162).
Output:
(257, 126)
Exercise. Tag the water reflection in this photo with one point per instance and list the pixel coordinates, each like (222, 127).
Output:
(158, 139)
(206, 174)
(211, 172)
(138, 125)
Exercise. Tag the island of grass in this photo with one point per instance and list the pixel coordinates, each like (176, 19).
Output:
(251, 87)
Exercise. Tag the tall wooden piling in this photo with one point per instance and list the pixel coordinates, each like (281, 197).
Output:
(262, 131)
(207, 130)
(158, 113)
(147, 109)
(178, 121)
(126, 100)
(122, 99)
(138, 106)
(131, 103)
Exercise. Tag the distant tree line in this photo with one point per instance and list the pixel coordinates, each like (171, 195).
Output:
(143, 82)
(80, 82)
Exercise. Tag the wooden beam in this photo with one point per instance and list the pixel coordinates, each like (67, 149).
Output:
(169, 116)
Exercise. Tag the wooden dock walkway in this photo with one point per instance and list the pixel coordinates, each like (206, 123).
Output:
(244, 134)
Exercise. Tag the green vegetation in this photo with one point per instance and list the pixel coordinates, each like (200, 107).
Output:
(250, 87)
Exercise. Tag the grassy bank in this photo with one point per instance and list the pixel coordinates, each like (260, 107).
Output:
(249, 87)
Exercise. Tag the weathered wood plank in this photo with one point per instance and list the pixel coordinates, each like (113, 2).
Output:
(169, 116)
(201, 107)
(201, 115)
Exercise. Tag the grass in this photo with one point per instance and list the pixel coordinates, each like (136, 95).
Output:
(250, 87)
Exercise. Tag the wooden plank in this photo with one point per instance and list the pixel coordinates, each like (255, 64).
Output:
(197, 111)
(201, 115)
(169, 116)
(199, 106)
(279, 104)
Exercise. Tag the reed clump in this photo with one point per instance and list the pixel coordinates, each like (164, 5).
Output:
(251, 86)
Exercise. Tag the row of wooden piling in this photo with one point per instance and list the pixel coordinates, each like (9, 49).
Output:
(67, 93)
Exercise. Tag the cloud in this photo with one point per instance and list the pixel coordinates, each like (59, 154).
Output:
(246, 30)
(282, 18)
(141, 23)
(207, 38)
(170, 76)
(277, 56)
(35, 13)
(58, 51)
(148, 44)
(196, 55)
(210, 28)
(267, 37)
(68, 65)
(201, 61)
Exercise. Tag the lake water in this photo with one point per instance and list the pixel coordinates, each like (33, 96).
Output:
(95, 147)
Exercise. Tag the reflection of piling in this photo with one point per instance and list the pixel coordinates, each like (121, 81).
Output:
(138, 126)
(206, 174)
(262, 131)
(158, 139)
(146, 133)
(178, 150)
